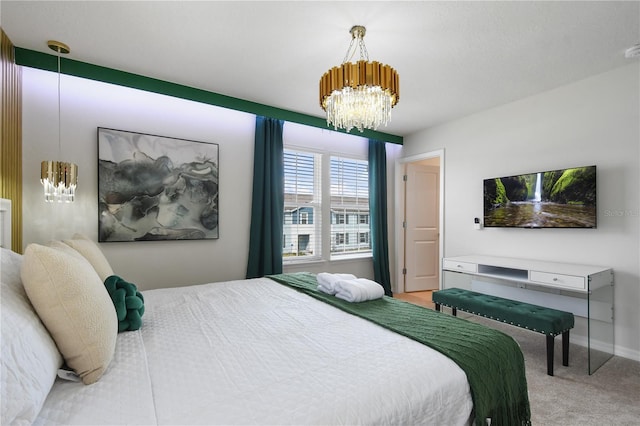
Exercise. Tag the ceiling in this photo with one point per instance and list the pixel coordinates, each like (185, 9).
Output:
(453, 58)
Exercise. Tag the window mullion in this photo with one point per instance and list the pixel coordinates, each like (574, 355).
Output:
(325, 177)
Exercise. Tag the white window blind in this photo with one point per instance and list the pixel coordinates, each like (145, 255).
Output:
(349, 207)
(302, 201)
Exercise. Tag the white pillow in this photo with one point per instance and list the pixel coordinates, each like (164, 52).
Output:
(59, 245)
(30, 358)
(92, 253)
(74, 305)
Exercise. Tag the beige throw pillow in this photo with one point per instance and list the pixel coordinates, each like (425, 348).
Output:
(74, 306)
(92, 253)
(59, 245)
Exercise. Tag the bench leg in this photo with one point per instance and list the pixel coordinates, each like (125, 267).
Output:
(550, 341)
(565, 348)
(454, 311)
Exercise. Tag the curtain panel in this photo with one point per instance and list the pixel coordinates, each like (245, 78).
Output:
(267, 210)
(378, 213)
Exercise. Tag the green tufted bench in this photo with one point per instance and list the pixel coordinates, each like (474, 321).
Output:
(550, 322)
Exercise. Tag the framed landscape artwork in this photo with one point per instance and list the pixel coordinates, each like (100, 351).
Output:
(156, 188)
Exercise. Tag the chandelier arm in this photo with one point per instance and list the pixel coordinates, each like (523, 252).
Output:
(350, 52)
(364, 55)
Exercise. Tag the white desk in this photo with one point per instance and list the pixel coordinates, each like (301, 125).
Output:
(584, 290)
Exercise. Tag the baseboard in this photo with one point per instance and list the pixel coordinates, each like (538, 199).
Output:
(627, 353)
(617, 349)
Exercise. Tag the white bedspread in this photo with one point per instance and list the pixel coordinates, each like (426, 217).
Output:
(257, 352)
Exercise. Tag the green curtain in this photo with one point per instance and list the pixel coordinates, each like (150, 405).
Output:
(378, 213)
(267, 209)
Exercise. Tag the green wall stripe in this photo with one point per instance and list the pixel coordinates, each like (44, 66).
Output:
(43, 61)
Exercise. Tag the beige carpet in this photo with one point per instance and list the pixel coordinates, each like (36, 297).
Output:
(610, 396)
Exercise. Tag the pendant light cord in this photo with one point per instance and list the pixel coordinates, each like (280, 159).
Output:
(59, 131)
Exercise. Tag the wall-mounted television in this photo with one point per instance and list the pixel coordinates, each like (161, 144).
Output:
(563, 198)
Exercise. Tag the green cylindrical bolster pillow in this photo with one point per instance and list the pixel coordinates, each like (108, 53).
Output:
(128, 302)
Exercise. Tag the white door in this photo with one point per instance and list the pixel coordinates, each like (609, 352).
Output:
(422, 233)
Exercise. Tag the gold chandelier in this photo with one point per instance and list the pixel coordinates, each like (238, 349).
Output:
(59, 178)
(359, 94)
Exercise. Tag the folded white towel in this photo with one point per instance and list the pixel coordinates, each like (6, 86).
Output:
(359, 290)
(327, 282)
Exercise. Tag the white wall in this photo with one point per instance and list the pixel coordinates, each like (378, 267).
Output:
(86, 105)
(593, 121)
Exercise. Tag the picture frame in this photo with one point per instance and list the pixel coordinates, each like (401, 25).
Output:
(154, 188)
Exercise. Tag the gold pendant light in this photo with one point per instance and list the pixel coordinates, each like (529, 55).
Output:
(59, 178)
(359, 94)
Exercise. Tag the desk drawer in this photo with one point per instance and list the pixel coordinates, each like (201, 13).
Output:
(559, 280)
(452, 265)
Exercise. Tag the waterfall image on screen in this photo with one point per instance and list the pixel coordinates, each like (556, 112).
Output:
(563, 198)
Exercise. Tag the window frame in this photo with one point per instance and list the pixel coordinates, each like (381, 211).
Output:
(325, 255)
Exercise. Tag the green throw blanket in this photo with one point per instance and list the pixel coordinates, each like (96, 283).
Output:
(492, 361)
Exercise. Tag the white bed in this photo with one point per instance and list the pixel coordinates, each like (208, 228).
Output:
(239, 352)
(256, 352)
